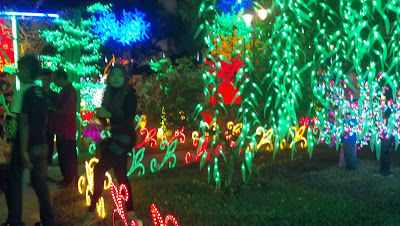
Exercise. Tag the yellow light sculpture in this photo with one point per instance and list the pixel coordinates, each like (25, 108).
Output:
(265, 139)
(299, 136)
(234, 128)
(226, 44)
(87, 184)
(268, 135)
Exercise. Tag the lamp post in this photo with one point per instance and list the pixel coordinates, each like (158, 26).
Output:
(248, 19)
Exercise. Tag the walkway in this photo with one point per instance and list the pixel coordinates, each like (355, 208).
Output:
(30, 213)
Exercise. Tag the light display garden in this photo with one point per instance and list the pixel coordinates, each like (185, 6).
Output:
(364, 45)
(266, 87)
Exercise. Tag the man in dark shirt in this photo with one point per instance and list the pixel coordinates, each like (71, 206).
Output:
(30, 147)
(50, 96)
(64, 126)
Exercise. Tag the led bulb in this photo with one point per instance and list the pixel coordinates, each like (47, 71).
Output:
(262, 13)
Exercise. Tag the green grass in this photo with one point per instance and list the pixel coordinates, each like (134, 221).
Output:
(283, 192)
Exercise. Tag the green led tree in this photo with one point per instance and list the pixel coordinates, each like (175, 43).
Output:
(77, 48)
(356, 38)
(230, 119)
(267, 84)
(77, 52)
(287, 64)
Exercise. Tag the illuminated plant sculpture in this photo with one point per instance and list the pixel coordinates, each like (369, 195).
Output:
(287, 63)
(77, 48)
(362, 43)
(131, 28)
(86, 185)
(226, 77)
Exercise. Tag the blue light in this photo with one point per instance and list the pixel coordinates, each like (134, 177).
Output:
(130, 29)
(30, 14)
(226, 5)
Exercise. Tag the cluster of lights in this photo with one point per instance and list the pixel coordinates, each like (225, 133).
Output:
(121, 195)
(226, 79)
(130, 29)
(6, 45)
(226, 5)
(161, 68)
(267, 138)
(364, 117)
(92, 130)
(68, 38)
(170, 152)
(149, 137)
(373, 55)
(286, 66)
(91, 93)
(8, 41)
(140, 121)
(231, 134)
(177, 133)
(159, 221)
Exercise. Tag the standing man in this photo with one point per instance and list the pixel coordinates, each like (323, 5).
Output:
(30, 147)
(50, 96)
(64, 126)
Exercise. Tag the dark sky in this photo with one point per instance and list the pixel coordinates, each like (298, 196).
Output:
(57, 5)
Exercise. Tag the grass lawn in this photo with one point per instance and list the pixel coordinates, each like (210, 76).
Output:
(302, 191)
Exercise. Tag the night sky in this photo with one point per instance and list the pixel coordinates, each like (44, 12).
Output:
(57, 5)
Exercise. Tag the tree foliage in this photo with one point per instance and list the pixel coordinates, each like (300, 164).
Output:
(171, 93)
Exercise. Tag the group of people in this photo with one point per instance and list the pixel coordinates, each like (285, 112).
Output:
(40, 113)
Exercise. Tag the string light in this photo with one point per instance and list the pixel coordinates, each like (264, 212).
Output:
(170, 153)
(159, 221)
(87, 184)
(69, 36)
(149, 138)
(130, 29)
(339, 113)
(177, 133)
(137, 162)
(169, 146)
(120, 196)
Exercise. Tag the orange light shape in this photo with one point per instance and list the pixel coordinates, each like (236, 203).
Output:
(149, 138)
(177, 133)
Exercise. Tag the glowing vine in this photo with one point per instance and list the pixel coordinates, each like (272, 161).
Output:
(137, 162)
(170, 153)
